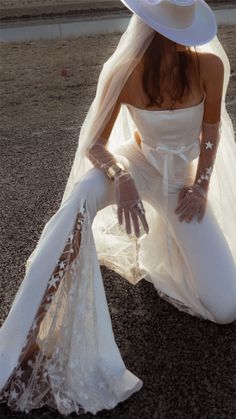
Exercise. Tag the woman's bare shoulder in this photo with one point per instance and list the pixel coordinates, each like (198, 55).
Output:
(128, 88)
(212, 72)
(211, 64)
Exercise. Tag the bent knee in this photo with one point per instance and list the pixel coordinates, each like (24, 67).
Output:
(220, 300)
(225, 314)
(226, 318)
(96, 189)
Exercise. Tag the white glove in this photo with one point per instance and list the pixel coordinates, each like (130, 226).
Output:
(127, 196)
(193, 198)
(128, 200)
(210, 137)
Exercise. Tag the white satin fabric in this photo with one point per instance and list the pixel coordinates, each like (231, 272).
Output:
(170, 142)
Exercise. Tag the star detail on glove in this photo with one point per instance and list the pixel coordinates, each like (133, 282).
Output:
(209, 145)
(206, 176)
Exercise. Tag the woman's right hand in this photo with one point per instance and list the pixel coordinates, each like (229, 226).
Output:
(129, 202)
(191, 202)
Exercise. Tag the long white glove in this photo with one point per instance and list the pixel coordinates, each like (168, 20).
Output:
(193, 198)
(209, 143)
(127, 196)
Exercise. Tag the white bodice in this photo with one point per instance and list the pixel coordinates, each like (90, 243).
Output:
(170, 140)
(169, 137)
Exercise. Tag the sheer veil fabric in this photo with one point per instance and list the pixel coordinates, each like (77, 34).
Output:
(114, 248)
(78, 366)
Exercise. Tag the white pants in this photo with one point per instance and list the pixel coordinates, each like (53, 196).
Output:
(203, 244)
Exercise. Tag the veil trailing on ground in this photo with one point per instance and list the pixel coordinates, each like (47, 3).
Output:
(115, 249)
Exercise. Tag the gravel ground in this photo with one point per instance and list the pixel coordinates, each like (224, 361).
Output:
(187, 365)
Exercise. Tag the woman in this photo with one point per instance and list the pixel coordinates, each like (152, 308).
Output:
(155, 98)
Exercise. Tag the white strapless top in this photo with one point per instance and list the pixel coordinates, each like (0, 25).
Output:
(169, 137)
(170, 140)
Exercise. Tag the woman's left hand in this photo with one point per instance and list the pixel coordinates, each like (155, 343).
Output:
(190, 203)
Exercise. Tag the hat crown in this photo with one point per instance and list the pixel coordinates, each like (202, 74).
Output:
(181, 2)
(175, 14)
(187, 22)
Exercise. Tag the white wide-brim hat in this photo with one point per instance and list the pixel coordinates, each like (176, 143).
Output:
(187, 22)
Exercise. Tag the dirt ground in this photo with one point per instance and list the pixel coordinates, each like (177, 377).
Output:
(187, 365)
(27, 3)
(32, 8)
(25, 9)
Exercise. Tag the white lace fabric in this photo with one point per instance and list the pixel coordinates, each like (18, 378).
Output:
(39, 378)
(63, 364)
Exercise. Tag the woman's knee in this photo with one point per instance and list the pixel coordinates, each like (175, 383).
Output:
(225, 311)
(226, 316)
(96, 189)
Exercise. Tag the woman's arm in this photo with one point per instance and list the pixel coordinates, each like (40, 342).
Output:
(213, 76)
(193, 199)
(98, 153)
(128, 200)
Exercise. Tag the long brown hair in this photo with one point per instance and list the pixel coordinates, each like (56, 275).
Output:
(162, 62)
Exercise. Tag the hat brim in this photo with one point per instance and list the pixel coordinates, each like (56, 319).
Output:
(202, 30)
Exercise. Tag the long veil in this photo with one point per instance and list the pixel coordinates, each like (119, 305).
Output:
(115, 71)
(114, 248)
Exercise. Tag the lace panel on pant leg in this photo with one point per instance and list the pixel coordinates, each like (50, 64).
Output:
(38, 380)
